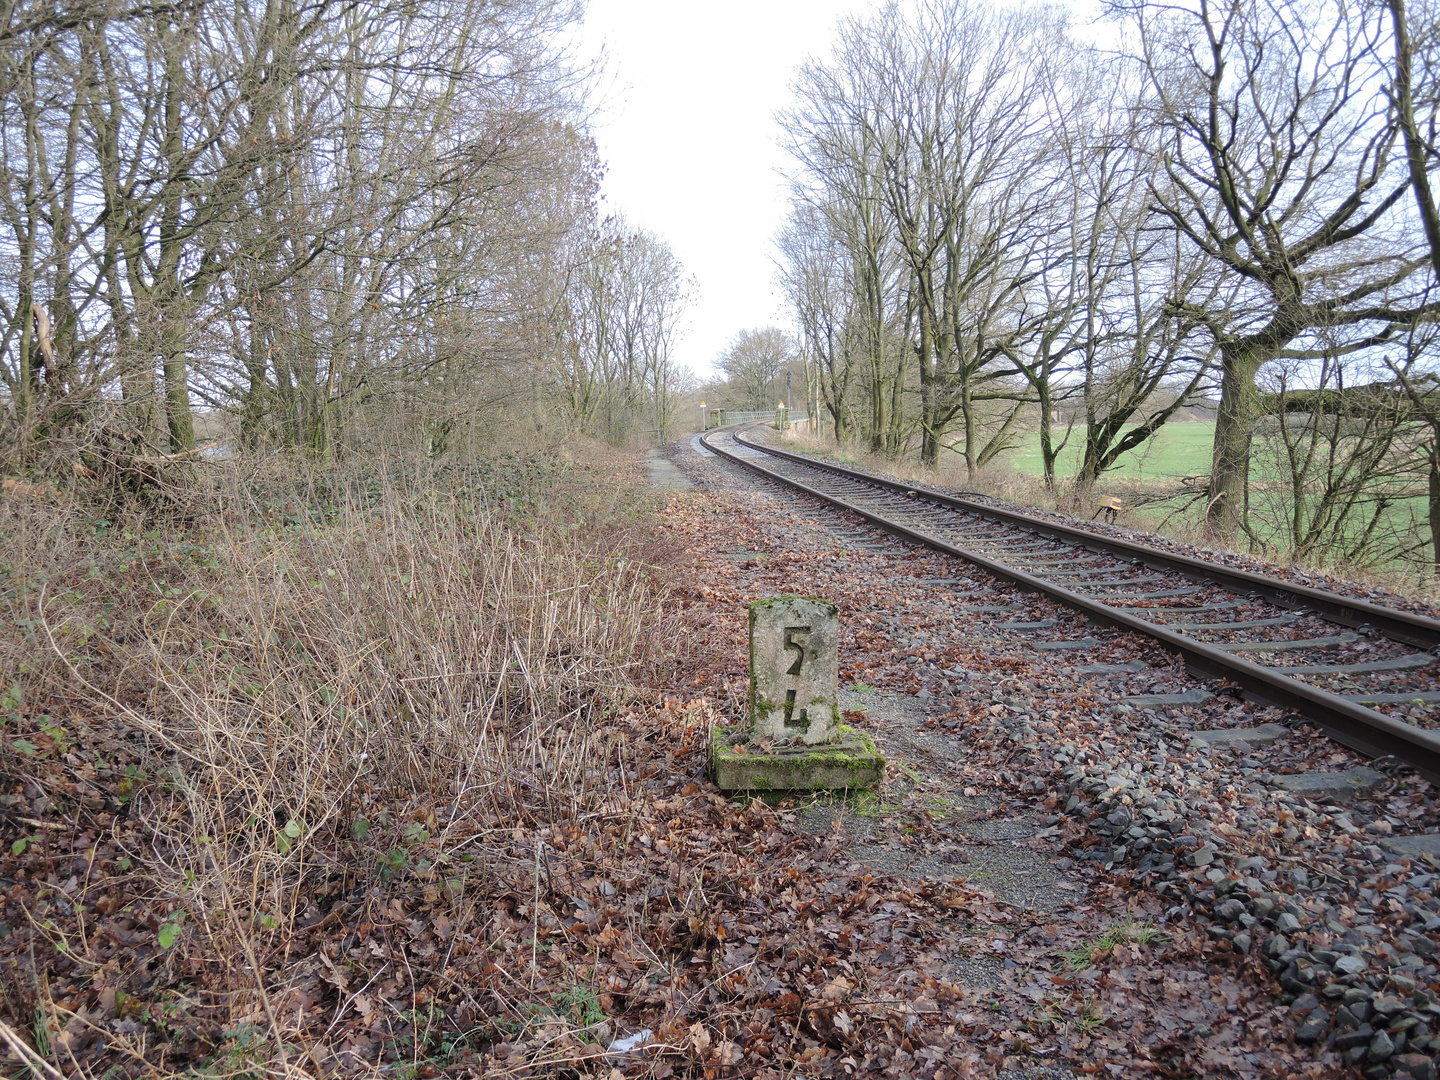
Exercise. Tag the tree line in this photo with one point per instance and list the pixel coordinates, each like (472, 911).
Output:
(993, 222)
(305, 219)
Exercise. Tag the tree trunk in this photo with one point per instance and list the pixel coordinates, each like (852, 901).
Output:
(929, 443)
(1234, 431)
(895, 419)
(877, 402)
(25, 388)
(177, 405)
(829, 389)
(1435, 500)
(1048, 453)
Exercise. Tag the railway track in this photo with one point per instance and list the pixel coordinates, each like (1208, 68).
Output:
(1343, 663)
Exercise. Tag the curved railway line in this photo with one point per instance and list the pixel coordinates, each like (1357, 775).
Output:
(1338, 661)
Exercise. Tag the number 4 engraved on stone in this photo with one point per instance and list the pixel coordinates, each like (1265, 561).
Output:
(803, 724)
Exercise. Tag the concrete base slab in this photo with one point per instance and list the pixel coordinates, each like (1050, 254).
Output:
(1113, 669)
(849, 764)
(1401, 663)
(1152, 701)
(1284, 646)
(997, 856)
(981, 972)
(662, 475)
(1356, 781)
(1263, 735)
(1164, 593)
(1117, 583)
(1417, 846)
(994, 852)
(1059, 646)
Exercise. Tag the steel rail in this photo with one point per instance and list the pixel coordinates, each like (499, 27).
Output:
(1405, 626)
(1365, 730)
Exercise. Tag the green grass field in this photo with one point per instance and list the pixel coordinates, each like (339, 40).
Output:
(1180, 449)
(1184, 449)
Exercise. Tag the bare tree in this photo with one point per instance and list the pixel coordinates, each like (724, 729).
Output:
(622, 307)
(1032, 223)
(292, 209)
(1279, 168)
(1101, 343)
(833, 134)
(815, 272)
(1415, 375)
(960, 149)
(754, 361)
(925, 139)
(1328, 475)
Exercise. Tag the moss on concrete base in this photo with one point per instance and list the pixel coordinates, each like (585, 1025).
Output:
(851, 763)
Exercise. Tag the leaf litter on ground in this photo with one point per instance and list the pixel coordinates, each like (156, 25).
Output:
(732, 939)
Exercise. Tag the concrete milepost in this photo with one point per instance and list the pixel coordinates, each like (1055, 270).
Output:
(795, 740)
(794, 670)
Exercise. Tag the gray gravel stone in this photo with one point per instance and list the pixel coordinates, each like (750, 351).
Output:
(1230, 910)
(1313, 1029)
(1350, 965)
(1387, 1005)
(1381, 1047)
(1202, 856)
(1419, 1066)
(1360, 1037)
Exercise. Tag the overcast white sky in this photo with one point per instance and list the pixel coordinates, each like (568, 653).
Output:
(688, 134)
(687, 130)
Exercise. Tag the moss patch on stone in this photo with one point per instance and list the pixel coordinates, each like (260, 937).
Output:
(849, 764)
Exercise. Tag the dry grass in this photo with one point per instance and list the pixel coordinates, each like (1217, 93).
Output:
(329, 690)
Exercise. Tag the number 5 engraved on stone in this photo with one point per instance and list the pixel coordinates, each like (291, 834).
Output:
(791, 643)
